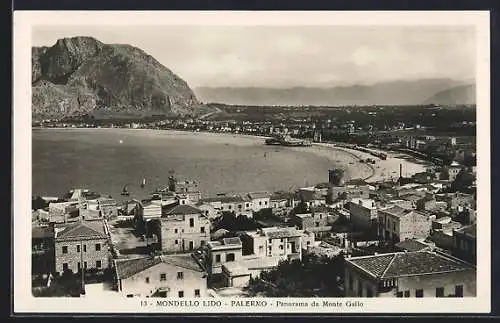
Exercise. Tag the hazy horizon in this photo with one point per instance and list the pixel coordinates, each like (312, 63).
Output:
(293, 56)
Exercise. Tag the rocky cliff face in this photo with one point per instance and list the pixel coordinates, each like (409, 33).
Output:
(82, 75)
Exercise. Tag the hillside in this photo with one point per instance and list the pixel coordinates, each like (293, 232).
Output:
(465, 94)
(385, 93)
(82, 75)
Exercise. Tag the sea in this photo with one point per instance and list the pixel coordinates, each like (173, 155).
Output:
(105, 160)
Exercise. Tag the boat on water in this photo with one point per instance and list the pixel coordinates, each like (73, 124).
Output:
(125, 191)
(286, 140)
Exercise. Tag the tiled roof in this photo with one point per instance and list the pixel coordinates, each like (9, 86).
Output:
(231, 241)
(398, 211)
(86, 230)
(374, 265)
(408, 264)
(126, 268)
(281, 233)
(129, 267)
(180, 210)
(258, 195)
(223, 199)
(185, 261)
(411, 245)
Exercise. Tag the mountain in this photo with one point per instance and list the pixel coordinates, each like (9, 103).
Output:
(82, 75)
(465, 94)
(390, 93)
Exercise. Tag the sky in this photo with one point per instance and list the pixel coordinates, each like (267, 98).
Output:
(289, 56)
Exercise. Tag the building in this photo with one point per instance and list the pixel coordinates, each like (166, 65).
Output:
(398, 224)
(412, 245)
(465, 243)
(235, 204)
(316, 221)
(82, 242)
(285, 243)
(259, 200)
(189, 188)
(106, 206)
(219, 253)
(182, 228)
(165, 276)
(42, 250)
(62, 212)
(409, 274)
(363, 214)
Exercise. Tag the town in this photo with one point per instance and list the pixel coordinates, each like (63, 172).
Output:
(410, 236)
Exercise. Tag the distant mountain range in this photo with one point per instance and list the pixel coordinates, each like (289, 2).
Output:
(413, 92)
(464, 94)
(82, 75)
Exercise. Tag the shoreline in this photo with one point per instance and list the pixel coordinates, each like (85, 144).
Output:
(382, 170)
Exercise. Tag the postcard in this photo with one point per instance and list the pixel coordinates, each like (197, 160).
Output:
(251, 162)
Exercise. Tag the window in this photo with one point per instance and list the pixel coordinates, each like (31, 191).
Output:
(260, 202)
(419, 293)
(270, 240)
(230, 257)
(440, 292)
(130, 295)
(78, 266)
(84, 248)
(176, 241)
(180, 275)
(98, 264)
(163, 276)
(97, 247)
(239, 206)
(217, 258)
(246, 205)
(265, 202)
(191, 222)
(229, 207)
(459, 291)
(202, 242)
(64, 249)
(77, 248)
(407, 293)
(147, 280)
(196, 293)
(202, 229)
(181, 293)
(65, 266)
(281, 247)
(399, 294)
(84, 265)
(317, 224)
(175, 230)
(281, 240)
(191, 245)
(308, 242)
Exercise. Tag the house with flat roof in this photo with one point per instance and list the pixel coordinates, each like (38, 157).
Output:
(363, 214)
(398, 224)
(182, 228)
(224, 251)
(164, 276)
(409, 274)
(465, 246)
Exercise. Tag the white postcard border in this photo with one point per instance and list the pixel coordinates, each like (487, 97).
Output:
(24, 21)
